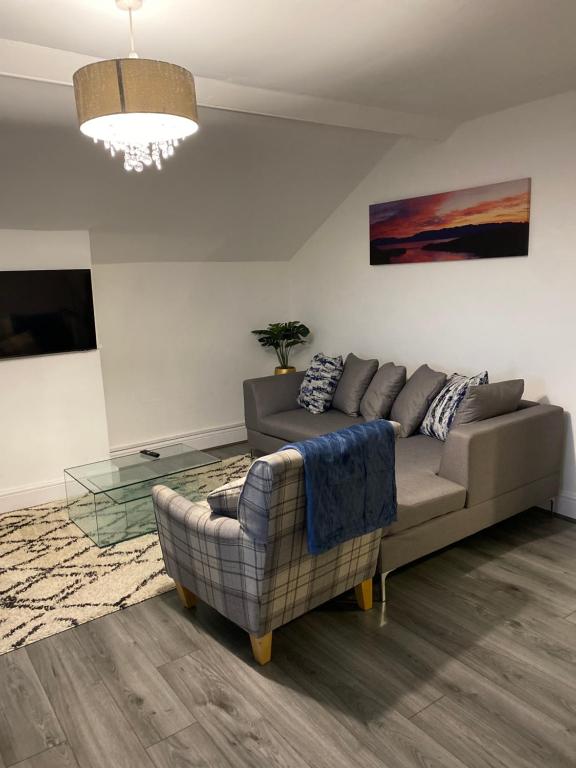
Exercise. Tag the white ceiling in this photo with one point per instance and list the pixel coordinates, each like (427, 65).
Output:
(246, 187)
(457, 58)
(249, 187)
(30, 102)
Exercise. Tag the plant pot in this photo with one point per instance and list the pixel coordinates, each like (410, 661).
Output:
(278, 371)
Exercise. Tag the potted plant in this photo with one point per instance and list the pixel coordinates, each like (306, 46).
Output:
(282, 337)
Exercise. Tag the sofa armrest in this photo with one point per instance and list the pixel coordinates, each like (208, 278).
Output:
(268, 395)
(498, 455)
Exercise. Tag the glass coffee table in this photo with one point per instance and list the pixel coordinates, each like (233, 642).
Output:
(111, 500)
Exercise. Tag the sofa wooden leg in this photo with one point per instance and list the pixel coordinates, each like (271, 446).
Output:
(187, 599)
(364, 594)
(262, 648)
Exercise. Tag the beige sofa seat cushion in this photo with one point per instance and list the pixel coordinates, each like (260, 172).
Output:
(300, 424)
(422, 495)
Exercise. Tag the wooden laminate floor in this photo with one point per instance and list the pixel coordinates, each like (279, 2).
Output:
(472, 664)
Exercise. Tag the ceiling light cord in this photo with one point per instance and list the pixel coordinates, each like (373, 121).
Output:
(132, 54)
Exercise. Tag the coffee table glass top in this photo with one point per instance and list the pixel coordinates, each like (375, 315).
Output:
(110, 474)
(125, 478)
(111, 500)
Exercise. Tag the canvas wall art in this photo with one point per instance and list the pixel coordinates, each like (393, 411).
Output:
(478, 223)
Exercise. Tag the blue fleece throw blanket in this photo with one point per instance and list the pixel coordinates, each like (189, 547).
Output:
(350, 483)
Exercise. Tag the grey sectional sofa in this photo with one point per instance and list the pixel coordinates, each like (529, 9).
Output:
(484, 472)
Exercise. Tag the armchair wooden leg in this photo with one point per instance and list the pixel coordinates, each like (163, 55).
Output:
(187, 599)
(364, 594)
(262, 648)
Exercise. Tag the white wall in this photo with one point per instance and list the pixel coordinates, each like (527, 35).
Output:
(52, 412)
(515, 316)
(176, 346)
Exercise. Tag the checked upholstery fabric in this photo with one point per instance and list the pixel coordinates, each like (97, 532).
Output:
(256, 570)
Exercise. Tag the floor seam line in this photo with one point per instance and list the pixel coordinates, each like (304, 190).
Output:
(431, 704)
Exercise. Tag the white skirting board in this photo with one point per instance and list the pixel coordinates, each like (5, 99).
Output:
(566, 504)
(31, 495)
(54, 490)
(200, 439)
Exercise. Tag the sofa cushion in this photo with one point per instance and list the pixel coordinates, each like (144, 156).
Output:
(382, 391)
(438, 420)
(424, 497)
(356, 377)
(320, 382)
(421, 493)
(299, 424)
(419, 453)
(224, 500)
(489, 400)
(413, 402)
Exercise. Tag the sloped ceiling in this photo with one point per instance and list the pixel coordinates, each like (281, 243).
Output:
(244, 188)
(249, 187)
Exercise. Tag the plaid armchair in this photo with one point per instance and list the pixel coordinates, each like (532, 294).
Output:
(256, 570)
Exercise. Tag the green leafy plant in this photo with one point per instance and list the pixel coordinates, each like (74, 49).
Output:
(282, 337)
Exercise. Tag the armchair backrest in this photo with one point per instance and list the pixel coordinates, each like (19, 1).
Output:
(272, 511)
(273, 501)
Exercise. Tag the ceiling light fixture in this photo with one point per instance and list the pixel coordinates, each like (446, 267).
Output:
(139, 107)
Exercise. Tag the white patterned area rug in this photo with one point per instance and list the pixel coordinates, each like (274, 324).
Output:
(53, 577)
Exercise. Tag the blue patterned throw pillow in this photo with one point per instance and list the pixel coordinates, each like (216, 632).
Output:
(320, 382)
(440, 416)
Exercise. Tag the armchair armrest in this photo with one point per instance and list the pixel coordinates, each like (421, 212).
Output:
(270, 394)
(498, 455)
(197, 544)
(193, 517)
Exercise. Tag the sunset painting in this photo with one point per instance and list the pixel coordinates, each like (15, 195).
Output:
(478, 223)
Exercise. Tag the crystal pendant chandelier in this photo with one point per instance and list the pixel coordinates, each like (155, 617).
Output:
(140, 108)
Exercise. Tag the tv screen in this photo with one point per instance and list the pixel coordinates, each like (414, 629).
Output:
(44, 312)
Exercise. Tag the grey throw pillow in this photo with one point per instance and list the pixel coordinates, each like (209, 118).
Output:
(224, 500)
(413, 402)
(356, 377)
(383, 391)
(489, 400)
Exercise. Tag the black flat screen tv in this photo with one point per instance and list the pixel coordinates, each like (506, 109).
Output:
(45, 312)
